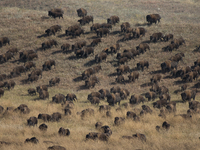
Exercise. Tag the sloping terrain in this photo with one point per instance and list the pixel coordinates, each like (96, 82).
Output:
(24, 22)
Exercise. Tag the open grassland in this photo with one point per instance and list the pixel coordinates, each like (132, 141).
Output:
(23, 21)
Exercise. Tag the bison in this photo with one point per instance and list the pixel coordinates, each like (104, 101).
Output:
(54, 81)
(49, 44)
(142, 64)
(153, 18)
(43, 94)
(81, 12)
(188, 95)
(4, 41)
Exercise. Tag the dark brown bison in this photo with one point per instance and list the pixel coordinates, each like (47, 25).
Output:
(129, 55)
(165, 96)
(87, 51)
(78, 33)
(37, 72)
(178, 42)
(156, 78)
(184, 87)
(1, 92)
(56, 147)
(113, 99)
(133, 75)
(58, 98)
(102, 31)
(12, 50)
(24, 56)
(163, 90)
(65, 47)
(150, 96)
(95, 42)
(136, 99)
(101, 56)
(53, 29)
(95, 100)
(142, 64)
(49, 44)
(133, 51)
(188, 95)
(120, 79)
(145, 109)
(71, 97)
(43, 127)
(106, 25)
(113, 20)
(87, 73)
(29, 65)
(43, 94)
(6, 57)
(81, 12)
(127, 36)
(115, 89)
(97, 68)
(56, 116)
(18, 70)
(190, 76)
(156, 36)
(31, 91)
(160, 103)
(2, 77)
(131, 115)
(153, 18)
(104, 93)
(22, 109)
(95, 136)
(32, 121)
(166, 125)
(33, 140)
(63, 132)
(95, 26)
(194, 105)
(32, 78)
(48, 64)
(142, 47)
(78, 45)
(123, 69)
(67, 111)
(54, 81)
(42, 87)
(4, 41)
(56, 12)
(71, 29)
(122, 60)
(139, 32)
(168, 65)
(10, 84)
(85, 20)
(32, 56)
(168, 37)
(119, 120)
(114, 48)
(170, 47)
(91, 82)
(44, 117)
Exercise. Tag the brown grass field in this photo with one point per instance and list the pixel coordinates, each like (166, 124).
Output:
(22, 21)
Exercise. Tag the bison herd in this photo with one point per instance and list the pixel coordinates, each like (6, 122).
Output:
(115, 95)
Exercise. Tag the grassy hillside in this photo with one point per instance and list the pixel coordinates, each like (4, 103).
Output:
(24, 22)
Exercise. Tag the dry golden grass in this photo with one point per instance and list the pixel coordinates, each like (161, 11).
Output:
(22, 22)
